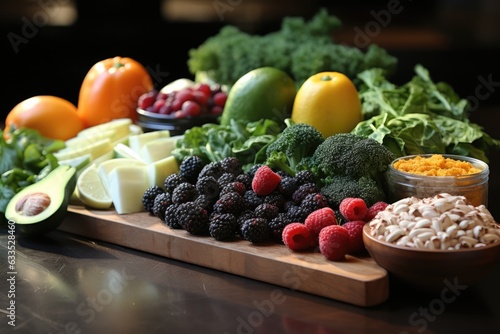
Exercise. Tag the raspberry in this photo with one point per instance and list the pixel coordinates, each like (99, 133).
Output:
(334, 242)
(353, 208)
(374, 209)
(355, 230)
(297, 237)
(265, 181)
(319, 219)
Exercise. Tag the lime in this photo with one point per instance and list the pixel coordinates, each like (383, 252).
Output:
(91, 190)
(263, 93)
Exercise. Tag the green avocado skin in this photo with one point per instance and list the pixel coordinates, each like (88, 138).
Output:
(59, 185)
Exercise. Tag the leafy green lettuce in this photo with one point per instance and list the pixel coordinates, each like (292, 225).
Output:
(420, 116)
(214, 142)
(25, 158)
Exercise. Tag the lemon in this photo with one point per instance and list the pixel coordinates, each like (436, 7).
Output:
(263, 93)
(91, 190)
(328, 101)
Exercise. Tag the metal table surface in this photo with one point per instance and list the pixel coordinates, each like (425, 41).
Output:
(62, 283)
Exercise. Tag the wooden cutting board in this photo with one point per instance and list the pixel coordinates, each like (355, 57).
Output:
(357, 280)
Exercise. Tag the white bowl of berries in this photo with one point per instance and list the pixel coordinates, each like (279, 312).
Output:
(182, 109)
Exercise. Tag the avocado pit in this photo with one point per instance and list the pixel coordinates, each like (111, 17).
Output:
(33, 204)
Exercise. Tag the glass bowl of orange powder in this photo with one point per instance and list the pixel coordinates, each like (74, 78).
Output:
(427, 175)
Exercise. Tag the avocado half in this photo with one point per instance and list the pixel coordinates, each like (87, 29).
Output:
(42, 206)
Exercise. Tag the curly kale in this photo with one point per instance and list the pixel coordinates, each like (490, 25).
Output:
(300, 48)
(340, 187)
(296, 142)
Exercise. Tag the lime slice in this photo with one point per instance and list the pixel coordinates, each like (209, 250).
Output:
(91, 189)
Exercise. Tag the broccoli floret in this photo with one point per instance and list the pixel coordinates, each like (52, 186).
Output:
(340, 187)
(295, 143)
(351, 155)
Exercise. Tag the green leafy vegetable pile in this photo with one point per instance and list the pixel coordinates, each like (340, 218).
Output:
(419, 117)
(213, 142)
(25, 158)
(299, 48)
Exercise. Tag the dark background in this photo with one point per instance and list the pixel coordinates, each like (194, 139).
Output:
(457, 40)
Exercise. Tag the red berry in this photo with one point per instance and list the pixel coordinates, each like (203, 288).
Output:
(202, 87)
(216, 110)
(353, 208)
(146, 100)
(184, 95)
(200, 97)
(374, 209)
(355, 230)
(190, 108)
(334, 242)
(220, 99)
(319, 219)
(265, 181)
(157, 105)
(297, 236)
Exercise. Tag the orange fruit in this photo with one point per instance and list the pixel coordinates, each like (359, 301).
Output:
(52, 116)
(329, 101)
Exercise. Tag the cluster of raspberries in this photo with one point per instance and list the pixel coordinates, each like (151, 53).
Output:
(334, 239)
(221, 200)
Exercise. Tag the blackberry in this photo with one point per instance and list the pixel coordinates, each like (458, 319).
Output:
(172, 181)
(205, 202)
(223, 226)
(252, 200)
(231, 202)
(277, 224)
(184, 192)
(305, 176)
(276, 199)
(256, 230)
(232, 165)
(287, 186)
(193, 218)
(304, 190)
(287, 205)
(244, 178)
(234, 186)
(313, 202)
(208, 186)
(297, 214)
(162, 201)
(190, 167)
(171, 216)
(212, 169)
(266, 211)
(245, 215)
(148, 198)
(253, 169)
(282, 173)
(225, 179)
